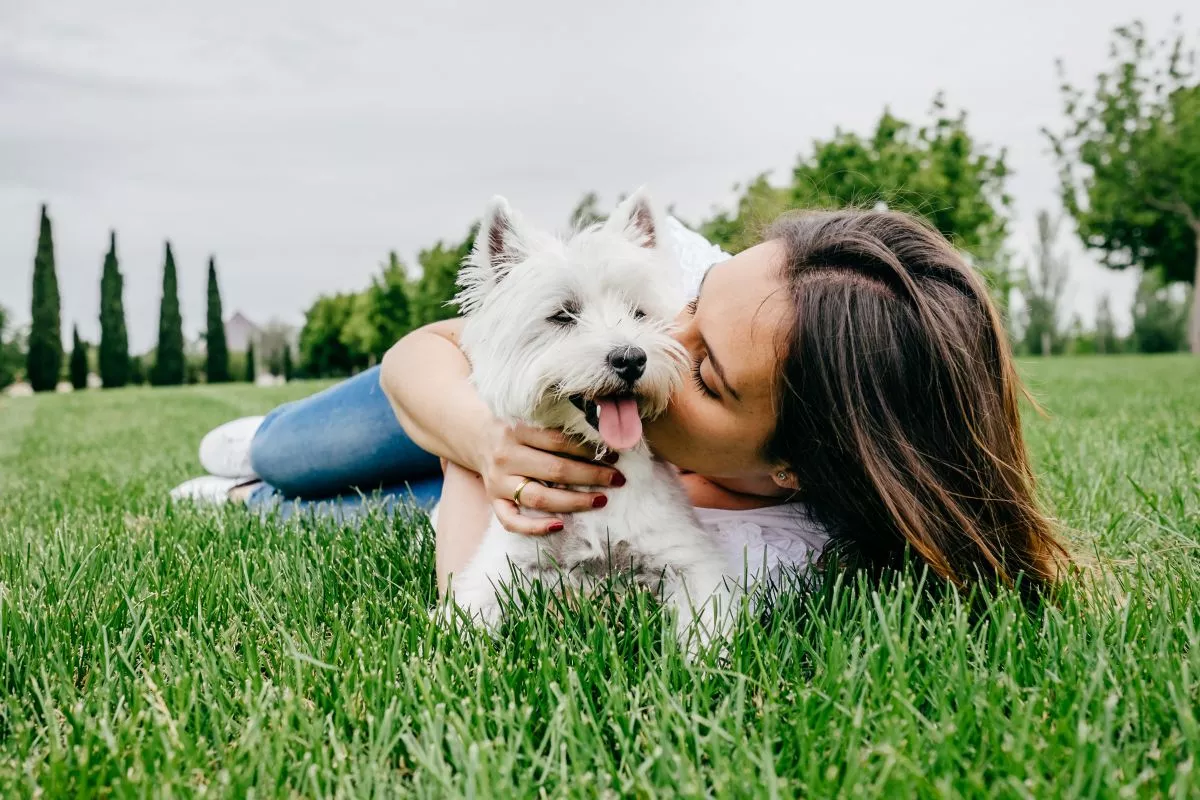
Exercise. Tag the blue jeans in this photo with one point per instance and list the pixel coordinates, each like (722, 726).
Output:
(328, 453)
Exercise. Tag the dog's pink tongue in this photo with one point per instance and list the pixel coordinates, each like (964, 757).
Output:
(620, 425)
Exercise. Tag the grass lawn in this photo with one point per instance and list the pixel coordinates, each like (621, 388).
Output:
(147, 650)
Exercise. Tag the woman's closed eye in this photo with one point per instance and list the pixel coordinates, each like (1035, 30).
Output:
(698, 379)
(697, 361)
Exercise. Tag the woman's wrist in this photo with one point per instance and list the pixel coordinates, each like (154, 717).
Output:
(476, 442)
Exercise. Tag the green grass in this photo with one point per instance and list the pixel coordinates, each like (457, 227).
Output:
(147, 650)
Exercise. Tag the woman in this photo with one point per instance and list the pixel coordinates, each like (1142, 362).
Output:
(851, 362)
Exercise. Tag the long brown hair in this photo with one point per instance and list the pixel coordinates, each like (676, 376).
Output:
(898, 403)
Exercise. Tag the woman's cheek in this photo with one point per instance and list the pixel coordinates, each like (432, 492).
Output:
(668, 434)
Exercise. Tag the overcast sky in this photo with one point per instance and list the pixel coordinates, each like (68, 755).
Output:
(299, 141)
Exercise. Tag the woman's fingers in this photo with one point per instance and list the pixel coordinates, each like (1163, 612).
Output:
(554, 441)
(556, 501)
(527, 457)
(513, 520)
(543, 466)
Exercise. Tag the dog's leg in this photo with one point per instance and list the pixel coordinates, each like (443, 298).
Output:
(476, 591)
(704, 605)
(477, 588)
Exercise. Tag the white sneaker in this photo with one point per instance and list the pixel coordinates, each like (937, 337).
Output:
(207, 489)
(225, 450)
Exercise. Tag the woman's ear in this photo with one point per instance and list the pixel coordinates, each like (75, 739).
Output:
(784, 478)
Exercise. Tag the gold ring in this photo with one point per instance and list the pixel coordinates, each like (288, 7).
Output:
(520, 488)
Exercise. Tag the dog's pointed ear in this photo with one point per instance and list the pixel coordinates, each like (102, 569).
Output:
(637, 219)
(500, 243)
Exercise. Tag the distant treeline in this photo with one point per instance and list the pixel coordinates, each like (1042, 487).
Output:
(1128, 156)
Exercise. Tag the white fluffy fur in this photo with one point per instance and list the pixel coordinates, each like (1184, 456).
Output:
(617, 277)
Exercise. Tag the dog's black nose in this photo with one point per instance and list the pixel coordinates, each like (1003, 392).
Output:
(628, 362)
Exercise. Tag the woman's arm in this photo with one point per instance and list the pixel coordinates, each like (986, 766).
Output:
(426, 378)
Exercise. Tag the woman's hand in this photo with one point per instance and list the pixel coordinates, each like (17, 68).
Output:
(509, 455)
(444, 415)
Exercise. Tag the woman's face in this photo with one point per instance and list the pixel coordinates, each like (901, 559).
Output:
(719, 422)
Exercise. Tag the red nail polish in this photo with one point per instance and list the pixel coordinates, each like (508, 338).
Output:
(618, 479)
(600, 501)
(555, 527)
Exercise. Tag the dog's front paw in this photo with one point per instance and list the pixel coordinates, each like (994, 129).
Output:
(704, 617)
(488, 616)
(477, 601)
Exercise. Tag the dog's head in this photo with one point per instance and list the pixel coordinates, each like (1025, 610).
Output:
(575, 333)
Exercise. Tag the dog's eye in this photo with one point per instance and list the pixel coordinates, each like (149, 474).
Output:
(567, 315)
(638, 313)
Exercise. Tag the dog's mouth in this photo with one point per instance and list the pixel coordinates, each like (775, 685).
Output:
(615, 417)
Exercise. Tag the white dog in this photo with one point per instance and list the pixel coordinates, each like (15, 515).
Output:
(575, 335)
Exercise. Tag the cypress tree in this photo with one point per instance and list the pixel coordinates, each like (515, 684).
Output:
(43, 363)
(11, 354)
(137, 371)
(250, 372)
(217, 359)
(168, 358)
(79, 361)
(114, 338)
(287, 361)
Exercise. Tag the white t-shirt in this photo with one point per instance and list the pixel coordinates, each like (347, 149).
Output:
(766, 544)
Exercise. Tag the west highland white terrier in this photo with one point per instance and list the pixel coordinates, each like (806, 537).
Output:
(574, 334)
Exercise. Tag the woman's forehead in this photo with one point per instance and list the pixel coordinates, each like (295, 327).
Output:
(758, 264)
(743, 310)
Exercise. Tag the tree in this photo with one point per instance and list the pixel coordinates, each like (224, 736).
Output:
(1107, 341)
(586, 212)
(79, 361)
(323, 352)
(270, 343)
(137, 371)
(390, 310)
(1003, 279)
(286, 366)
(12, 351)
(936, 170)
(1078, 340)
(757, 208)
(1159, 319)
(381, 314)
(1043, 291)
(169, 366)
(193, 367)
(250, 364)
(346, 332)
(43, 364)
(216, 359)
(359, 335)
(114, 338)
(436, 286)
(1129, 160)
